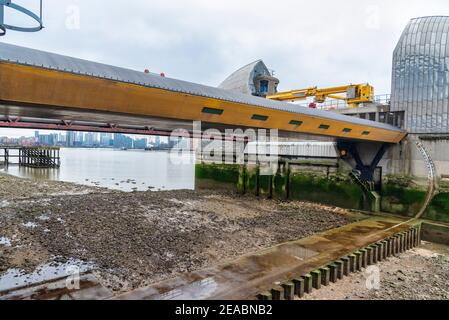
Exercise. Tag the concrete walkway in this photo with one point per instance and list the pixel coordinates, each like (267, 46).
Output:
(256, 273)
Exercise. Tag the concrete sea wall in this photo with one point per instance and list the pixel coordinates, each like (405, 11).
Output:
(322, 184)
(402, 195)
(325, 183)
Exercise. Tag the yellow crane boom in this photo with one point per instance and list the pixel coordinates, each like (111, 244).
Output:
(354, 94)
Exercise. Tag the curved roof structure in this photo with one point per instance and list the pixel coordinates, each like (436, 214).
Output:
(48, 79)
(242, 80)
(420, 84)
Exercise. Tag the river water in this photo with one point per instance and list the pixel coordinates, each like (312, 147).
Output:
(125, 170)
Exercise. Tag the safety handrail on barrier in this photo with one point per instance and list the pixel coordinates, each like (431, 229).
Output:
(432, 176)
(333, 104)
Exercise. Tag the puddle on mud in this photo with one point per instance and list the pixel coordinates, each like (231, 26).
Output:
(30, 225)
(298, 252)
(5, 242)
(4, 204)
(44, 217)
(198, 290)
(15, 278)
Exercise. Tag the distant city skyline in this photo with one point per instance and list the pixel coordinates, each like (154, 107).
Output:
(18, 133)
(82, 139)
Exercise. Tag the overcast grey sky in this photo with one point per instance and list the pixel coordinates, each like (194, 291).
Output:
(307, 43)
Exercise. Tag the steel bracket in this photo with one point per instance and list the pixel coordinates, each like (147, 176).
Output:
(366, 171)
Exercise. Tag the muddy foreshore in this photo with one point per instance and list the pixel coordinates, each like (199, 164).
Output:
(139, 238)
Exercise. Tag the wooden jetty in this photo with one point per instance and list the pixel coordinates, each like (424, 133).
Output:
(32, 157)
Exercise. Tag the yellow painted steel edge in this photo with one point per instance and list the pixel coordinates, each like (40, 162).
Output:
(37, 86)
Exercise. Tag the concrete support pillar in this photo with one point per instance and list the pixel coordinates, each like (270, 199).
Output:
(333, 273)
(325, 276)
(379, 251)
(346, 266)
(418, 236)
(409, 239)
(375, 254)
(382, 247)
(299, 287)
(403, 242)
(415, 236)
(388, 247)
(352, 263)
(399, 245)
(369, 256)
(370, 251)
(264, 296)
(339, 265)
(364, 258)
(395, 245)
(308, 287)
(316, 279)
(385, 255)
(276, 293)
(358, 260)
(289, 290)
(418, 242)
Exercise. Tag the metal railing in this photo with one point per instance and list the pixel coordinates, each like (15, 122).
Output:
(433, 176)
(383, 99)
(334, 104)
